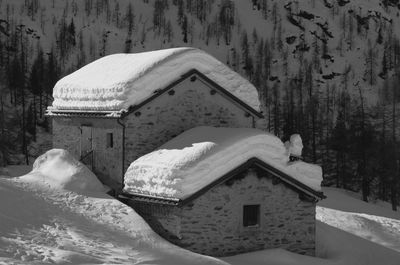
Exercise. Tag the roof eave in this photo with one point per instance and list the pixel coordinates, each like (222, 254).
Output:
(51, 112)
(149, 198)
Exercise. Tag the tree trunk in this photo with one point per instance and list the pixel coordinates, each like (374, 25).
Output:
(394, 184)
(337, 171)
(24, 140)
(41, 104)
(362, 169)
(3, 151)
(34, 117)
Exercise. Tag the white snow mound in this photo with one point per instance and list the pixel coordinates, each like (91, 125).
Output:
(118, 81)
(59, 169)
(201, 155)
(295, 145)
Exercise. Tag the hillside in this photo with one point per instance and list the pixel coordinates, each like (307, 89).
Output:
(327, 69)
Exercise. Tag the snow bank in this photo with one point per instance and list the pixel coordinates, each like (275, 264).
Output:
(118, 81)
(372, 221)
(48, 226)
(59, 169)
(201, 155)
(42, 225)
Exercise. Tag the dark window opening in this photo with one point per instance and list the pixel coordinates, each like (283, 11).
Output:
(251, 215)
(110, 140)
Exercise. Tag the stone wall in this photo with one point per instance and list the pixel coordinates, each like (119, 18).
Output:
(187, 105)
(213, 223)
(107, 161)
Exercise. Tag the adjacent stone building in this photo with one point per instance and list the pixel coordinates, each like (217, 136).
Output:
(251, 210)
(228, 192)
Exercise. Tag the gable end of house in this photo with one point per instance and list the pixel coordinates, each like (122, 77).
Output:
(194, 74)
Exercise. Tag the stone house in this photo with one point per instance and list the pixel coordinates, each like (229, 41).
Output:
(120, 107)
(251, 202)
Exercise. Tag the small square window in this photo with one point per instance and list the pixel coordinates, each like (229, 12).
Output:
(110, 140)
(251, 215)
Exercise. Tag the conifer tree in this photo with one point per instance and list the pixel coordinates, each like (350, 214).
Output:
(130, 19)
(185, 29)
(264, 8)
(361, 144)
(370, 64)
(181, 14)
(116, 15)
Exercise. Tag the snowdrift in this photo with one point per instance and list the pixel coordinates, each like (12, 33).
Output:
(58, 168)
(60, 214)
(201, 155)
(118, 81)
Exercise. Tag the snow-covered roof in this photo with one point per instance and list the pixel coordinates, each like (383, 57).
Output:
(118, 81)
(200, 156)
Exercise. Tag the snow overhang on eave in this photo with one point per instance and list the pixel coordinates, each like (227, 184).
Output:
(79, 113)
(150, 199)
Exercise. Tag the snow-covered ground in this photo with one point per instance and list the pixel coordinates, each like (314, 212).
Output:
(349, 232)
(60, 214)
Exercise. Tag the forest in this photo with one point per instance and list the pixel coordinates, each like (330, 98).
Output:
(328, 70)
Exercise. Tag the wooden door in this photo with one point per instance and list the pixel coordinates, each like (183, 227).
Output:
(87, 146)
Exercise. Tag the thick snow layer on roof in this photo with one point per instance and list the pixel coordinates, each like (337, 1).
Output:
(118, 81)
(201, 155)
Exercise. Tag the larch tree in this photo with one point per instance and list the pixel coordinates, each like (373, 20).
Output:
(370, 64)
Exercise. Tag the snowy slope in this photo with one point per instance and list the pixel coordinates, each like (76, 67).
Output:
(43, 222)
(345, 27)
(50, 219)
(199, 156)
(367, 221)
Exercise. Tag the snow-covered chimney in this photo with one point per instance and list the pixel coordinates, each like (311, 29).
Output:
(294, 147)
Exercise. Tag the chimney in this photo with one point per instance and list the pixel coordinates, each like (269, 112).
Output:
(294, 147)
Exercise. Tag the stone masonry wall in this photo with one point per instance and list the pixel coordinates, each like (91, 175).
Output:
(187, 105)
(107, 161)
(213, 223)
